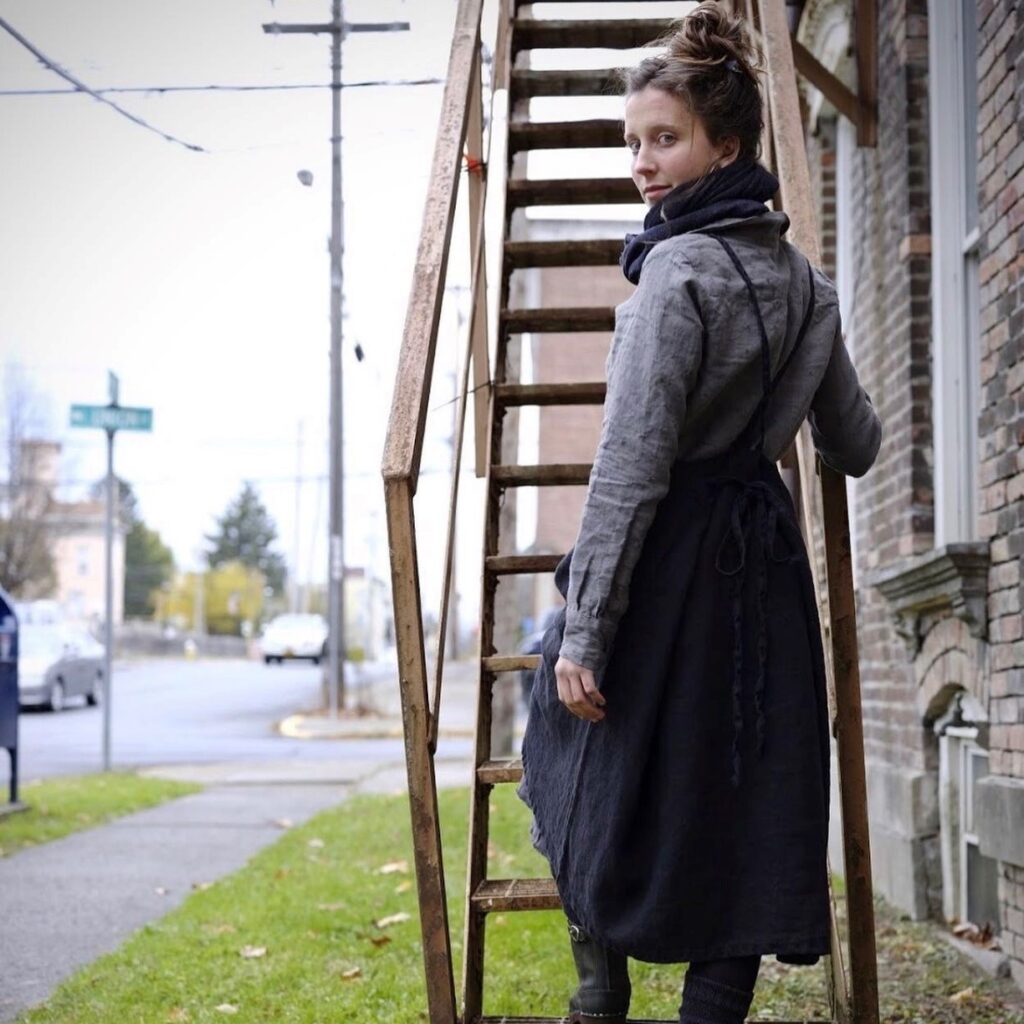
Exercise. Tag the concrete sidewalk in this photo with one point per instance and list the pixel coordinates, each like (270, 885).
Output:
(65, 903)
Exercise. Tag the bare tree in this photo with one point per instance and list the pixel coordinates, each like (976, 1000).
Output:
(26, 496)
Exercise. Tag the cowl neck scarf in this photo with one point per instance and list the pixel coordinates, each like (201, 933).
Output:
(739, 189)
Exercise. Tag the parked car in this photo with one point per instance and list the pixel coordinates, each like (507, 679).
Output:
(294, 636)
(58, 662)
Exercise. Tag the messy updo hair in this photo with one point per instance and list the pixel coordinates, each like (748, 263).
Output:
(712, 65)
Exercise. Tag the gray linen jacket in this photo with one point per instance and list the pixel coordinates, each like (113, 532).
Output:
(684, 379)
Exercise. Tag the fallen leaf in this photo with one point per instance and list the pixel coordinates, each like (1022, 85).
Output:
(282, 873)
(331, 906)
(352, 972)
(380, 940)
(161, 891)
(403, 886)
(226, 1008)
(252, 952)
(398, 918)
(394, 867)
(963, 996)
(201, 886)
(177, 1015)
(222, 929)
(315, 844)
(284, 823)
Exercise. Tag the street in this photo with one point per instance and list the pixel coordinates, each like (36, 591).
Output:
(169, 712)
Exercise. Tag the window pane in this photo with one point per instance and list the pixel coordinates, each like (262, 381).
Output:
(969, 37)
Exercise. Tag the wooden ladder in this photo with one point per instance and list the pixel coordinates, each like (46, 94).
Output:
(821, 491)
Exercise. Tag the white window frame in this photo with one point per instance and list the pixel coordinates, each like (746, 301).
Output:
(955, 253)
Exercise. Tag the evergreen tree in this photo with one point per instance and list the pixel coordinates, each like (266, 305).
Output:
(245, 533)
(148, 565)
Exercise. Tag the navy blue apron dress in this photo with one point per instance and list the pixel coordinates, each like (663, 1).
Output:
(692, 822)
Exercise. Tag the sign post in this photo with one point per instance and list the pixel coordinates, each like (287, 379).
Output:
(110, 418)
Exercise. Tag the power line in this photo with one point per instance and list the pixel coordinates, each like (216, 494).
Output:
(82, 87)
(220, 87)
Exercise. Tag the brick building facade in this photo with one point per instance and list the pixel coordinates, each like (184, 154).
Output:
(922, 235)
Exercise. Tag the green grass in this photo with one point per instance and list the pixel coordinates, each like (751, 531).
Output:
(60, 806)
(312, 900)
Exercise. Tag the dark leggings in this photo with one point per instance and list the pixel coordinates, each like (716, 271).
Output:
(737, 971)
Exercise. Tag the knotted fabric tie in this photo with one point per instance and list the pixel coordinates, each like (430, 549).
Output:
(758, 513)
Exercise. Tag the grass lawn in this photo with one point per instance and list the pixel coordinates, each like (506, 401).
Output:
(63, 805)
(322, 927)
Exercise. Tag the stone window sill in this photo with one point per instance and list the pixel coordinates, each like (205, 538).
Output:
(953, 578)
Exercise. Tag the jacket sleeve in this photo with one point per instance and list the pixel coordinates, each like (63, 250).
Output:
(652, 366)
(844, 425)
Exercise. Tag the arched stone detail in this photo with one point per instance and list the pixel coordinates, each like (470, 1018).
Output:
(825, 31)
(950, 660)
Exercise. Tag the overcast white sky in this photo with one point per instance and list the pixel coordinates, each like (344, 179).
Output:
(201, 278)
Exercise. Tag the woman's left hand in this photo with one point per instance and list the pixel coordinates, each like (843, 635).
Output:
(577, 690)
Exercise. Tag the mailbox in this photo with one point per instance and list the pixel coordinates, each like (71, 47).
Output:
(9, 686)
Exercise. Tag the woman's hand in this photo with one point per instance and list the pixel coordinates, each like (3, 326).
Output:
(577, 690)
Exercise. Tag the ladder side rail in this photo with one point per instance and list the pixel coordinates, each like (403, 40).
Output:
(404, 443)
(426, 828)
(476, 349)
(829, 499)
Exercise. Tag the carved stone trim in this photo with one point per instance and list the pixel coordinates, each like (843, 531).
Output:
(953, 578)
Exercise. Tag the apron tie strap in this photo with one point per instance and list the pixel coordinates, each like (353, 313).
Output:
(754, 521)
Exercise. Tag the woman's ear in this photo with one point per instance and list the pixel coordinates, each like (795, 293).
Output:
(728, 151)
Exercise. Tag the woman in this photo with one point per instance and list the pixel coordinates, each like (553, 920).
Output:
(677, 754)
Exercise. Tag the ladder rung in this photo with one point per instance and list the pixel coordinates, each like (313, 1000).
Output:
(581, 393)
(571, 192)
(518, 565)
(596, 133)
(510, 662)
(618, 33)
(516, 894)
(603, 82)
(563, 319)
(508, 770)
(552, 475)
(601, 252)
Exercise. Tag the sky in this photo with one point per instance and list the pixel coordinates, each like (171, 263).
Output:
(201, 279)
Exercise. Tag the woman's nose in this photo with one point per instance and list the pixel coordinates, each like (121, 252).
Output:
(642, 163)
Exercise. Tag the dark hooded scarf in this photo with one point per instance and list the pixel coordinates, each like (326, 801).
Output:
(739, 189)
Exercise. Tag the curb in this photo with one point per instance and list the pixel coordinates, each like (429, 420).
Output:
(383, 727)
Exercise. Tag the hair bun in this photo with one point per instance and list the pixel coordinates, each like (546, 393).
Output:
(710, 35)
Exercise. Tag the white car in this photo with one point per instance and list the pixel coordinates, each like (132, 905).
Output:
(56, 662)
(294, 636)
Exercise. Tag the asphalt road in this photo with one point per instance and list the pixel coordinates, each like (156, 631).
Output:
(177, 711)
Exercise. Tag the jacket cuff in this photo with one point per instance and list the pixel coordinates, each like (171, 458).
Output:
(586, 641)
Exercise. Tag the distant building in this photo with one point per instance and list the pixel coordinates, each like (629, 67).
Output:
(77, 529)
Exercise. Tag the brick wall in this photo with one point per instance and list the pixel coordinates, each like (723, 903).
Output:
(1001, 425)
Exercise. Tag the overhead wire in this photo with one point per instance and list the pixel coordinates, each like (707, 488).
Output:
(80, 86)
(222, 87)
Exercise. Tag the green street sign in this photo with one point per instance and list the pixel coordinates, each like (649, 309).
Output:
(111, 417)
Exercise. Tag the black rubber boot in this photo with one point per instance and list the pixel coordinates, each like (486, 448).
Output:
(706, 1001)
(604, 989)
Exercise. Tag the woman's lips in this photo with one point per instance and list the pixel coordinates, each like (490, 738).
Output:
(653, 190)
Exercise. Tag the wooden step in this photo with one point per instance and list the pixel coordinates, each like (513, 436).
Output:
(493, 772)
(519, 565)
(582, 393)
(563, 319)
(611, 33)
(594, 133)
(600, 252)
(555, 475)
(510, 662)
(599, 82)
(571, 191)
(516, 894)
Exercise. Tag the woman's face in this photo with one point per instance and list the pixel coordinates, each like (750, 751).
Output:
(668, 143)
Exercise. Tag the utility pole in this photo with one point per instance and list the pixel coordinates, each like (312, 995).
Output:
(338, 29)
(296, 586)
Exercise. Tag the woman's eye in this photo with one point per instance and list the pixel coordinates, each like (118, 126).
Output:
(666, 139)
(633, 147)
